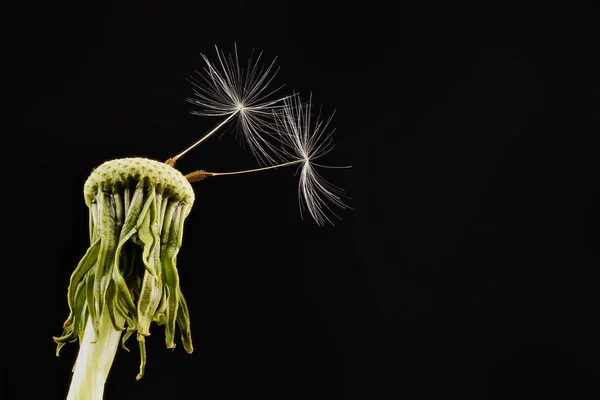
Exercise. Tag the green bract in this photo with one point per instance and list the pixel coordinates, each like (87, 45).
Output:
(137, 209)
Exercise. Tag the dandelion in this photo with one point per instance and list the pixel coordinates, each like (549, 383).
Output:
(128, 278)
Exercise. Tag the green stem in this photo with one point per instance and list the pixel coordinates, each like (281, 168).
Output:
(94, 360)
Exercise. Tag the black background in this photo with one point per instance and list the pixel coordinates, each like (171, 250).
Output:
(468, 269)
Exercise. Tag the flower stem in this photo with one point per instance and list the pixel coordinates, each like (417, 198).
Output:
(94, 360)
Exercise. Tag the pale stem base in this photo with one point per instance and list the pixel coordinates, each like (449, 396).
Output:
(94, 360)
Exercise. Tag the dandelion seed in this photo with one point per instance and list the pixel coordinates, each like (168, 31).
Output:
(309, 139)
(225, 88)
